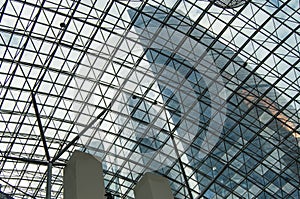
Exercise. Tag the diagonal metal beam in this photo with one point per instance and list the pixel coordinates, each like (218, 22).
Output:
(81, 133)
(32, 161)
(3, 10)
(16, 188)
(40, 126)
(181, 166)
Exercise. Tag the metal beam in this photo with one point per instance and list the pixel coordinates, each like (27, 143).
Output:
(40, 126)
(33, 161)
(49, 177)
(181, 166)
(81, 133)
(16, 188)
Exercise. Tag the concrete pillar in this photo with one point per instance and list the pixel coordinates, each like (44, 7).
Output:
(153, 186)
(83, 177)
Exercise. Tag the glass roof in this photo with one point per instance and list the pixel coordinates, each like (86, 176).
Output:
(205, 93)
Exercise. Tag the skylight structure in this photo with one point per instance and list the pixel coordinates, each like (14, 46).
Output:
(203, 94)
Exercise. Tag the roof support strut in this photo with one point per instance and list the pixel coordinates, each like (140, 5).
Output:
(81, 133)
(37, 113)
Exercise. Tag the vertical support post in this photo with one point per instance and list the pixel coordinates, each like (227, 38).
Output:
(49, 177)
(83, 177)
(153, 186)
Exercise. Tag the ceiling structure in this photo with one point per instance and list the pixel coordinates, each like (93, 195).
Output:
(206, 93)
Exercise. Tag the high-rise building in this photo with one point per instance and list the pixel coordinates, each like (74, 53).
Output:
(205, 93)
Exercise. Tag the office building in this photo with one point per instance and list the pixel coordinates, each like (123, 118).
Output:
(205, 93)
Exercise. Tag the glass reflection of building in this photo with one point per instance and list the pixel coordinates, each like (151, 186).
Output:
(253, 152)
(235, 124)
(257, 155)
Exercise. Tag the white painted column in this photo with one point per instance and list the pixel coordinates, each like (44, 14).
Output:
(83, 177)
(153, 186)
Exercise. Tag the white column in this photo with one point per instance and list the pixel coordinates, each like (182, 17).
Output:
(153, 186)
(83, 177)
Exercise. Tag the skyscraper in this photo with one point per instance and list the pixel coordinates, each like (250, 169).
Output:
(205, 93)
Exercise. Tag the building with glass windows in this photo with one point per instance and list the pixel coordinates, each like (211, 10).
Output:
(204, 93)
